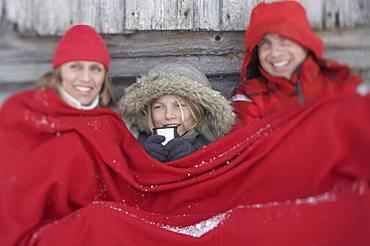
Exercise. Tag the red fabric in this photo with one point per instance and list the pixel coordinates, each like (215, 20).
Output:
(71, 177)
(317, 77)
(279, 94)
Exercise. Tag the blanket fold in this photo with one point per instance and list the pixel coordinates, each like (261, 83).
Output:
(72, 177)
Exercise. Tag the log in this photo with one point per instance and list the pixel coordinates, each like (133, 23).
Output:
(54, 17)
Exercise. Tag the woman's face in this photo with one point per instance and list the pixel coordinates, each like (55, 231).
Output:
(280, 56)
(83, 79)
(166, 111)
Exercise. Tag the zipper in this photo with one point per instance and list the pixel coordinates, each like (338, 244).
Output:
(299, 92)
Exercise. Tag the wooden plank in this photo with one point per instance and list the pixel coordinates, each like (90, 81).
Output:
(357, 59)
(217, 53)
(44, 22)
(147, 14)
(22, 72)
(87, 11)
(345, 39)
(315, 11)
(141, 44)
(39, 17)
(224, 84)
(172, 15)
(346, 13)
(53, 17)
(15, 12)
(235, 15)
(166, 43)
(1, 8)
(112, 23)
(211, 65)
(207, 15)
(184, 15)
(128, 67)
(105, 16)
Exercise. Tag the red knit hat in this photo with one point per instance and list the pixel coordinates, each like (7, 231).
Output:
(81, 43)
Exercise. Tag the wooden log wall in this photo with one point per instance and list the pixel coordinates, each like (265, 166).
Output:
(143, 33)
(53, 17)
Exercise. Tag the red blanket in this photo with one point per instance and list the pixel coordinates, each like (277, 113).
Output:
(72, 177)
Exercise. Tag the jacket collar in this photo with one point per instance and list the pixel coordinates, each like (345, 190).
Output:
(73, 102)
(190, 136)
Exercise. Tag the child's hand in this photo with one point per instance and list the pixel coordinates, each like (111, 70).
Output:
(155, 149)
(178, 148)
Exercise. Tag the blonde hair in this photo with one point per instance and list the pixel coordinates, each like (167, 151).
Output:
(196, 111)
(53, 80)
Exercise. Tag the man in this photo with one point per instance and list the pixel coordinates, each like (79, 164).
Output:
(283, 65)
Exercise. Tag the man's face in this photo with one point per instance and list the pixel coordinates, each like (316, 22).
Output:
(280, 56)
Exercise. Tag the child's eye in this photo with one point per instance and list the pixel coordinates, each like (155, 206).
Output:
(180, 105)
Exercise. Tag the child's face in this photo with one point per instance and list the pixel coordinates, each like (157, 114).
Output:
(167, 111)
(83, 79)
(280, 56)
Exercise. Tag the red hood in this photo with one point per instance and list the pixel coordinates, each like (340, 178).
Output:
(288, 19)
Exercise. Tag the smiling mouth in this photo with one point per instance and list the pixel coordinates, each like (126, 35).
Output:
(83, 89)
(172, 125)
(280, 64)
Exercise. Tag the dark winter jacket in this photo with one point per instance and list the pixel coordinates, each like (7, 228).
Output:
(260, 94)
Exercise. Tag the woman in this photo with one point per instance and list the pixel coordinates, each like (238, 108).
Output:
(180, 96)
(80, 75)
(52, 139)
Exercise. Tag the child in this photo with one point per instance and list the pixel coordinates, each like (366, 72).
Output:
(181, 96)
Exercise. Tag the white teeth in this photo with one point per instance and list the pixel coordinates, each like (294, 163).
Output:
(280, 64)
(83, 88)
(171, 125)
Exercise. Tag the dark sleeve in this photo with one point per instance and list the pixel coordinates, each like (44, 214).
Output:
(200, 142)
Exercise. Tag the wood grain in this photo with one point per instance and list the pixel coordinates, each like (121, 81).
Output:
(53, 17)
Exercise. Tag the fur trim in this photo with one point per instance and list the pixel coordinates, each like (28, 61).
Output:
(219, 116)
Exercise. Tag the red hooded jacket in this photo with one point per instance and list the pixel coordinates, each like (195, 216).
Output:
(260, 94)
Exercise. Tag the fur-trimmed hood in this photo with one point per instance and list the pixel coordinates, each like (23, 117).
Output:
(219, 116)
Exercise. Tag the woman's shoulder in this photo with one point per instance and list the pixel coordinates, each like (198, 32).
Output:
(25, 96)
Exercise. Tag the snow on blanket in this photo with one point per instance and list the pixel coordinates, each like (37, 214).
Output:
(70, 177)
